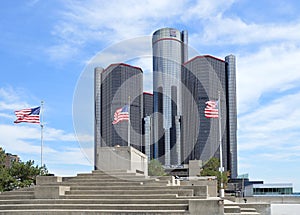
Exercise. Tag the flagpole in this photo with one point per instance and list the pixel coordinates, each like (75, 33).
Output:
(42, 128)
(220, 143)
(129, 121)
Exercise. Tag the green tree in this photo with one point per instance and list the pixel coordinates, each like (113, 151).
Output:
(24, 173)
(20, 174)
(211, 168)
(5, 178)
(2, 158)
(155, 168)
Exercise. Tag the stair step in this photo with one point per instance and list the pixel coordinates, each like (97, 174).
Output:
(248, 210)
(95, 206)
(250, 213)
(137, 187)
(127, 179)
(92, 212)
(183, 192)
(130, 183)
(111, 171)
(232, 209)
(147, 196)
(95, 201)
(15, 193)
(16, 196)
(95, 183)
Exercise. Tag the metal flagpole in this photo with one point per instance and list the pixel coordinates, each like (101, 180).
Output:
(221, 151)
(128, 120)
(42, 128)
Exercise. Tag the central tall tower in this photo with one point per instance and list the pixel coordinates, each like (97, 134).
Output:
(169, 53)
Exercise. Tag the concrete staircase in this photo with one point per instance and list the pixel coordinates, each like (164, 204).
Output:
(231, 208)
(112, 193)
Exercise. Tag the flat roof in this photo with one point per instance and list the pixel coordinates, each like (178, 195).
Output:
(203, 56)
(275, 185)
(122, 64)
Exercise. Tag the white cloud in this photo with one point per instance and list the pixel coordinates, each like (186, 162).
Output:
(272, 69)
(145, 63)
(108, 22)
(204, 9)
(224, 30)
(11, 99)
(70, 156)
(25, 139)
(61, 51)
(272, 127)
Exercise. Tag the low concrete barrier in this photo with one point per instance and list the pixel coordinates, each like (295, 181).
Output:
(42, 180)
(208, 206)
(50, 192)
(211, 184)
(122, 158)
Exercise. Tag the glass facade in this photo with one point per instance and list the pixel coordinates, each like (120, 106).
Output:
(115, 87)
(232, 113)
(169, 52)
(272, 189)
(148, 146)
(203, 77)
(170, 124)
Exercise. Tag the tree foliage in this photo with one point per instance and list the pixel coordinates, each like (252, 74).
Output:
(155, 168)
(211, 168)
(20, 174)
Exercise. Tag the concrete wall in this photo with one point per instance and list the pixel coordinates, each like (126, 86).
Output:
(122, 158)
(50, 192)
(211, 206)
(42, 180)
(212, 189)
(195, 167)
(261, 208)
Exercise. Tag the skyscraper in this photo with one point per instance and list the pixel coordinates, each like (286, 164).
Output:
(148, 146)
(169, 52)
(232, 113)
(203, 77)
(170, 124)
(117, 86)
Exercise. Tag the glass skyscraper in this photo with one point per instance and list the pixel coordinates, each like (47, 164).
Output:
(203, 77)
(148, 146)
(115, 87)
(232, 113)
(170, 125)
(169, 52)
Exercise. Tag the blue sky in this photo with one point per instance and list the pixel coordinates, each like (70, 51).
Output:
(46, 47)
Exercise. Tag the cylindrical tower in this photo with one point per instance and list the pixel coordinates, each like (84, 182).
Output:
(232, 113)
(97, 116)
(169, 52)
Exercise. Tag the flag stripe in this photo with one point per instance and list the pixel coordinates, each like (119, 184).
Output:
(211, 109)
(121, 114)
(29, 115)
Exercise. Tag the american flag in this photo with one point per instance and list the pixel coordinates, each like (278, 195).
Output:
(121, 114)
(30, 115)
(211, 109)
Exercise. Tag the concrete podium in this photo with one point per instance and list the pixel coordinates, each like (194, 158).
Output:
(121, 158)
